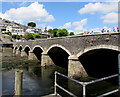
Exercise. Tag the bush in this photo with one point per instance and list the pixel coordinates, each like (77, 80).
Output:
(37, 35)
(8, 33)
(71, 33)
(62, 32)
(17, 36)
(32, 36)
(28, 36)
(53, 32)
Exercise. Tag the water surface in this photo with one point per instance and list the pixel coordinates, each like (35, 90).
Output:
(39, 80)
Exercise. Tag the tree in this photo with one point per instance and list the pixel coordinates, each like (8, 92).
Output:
(37, 35)
(16, 36)
(62, 32)
(28, 36)
(32, 24)
(53, 31)
(71, 33)
(58, 32)
(50, 31)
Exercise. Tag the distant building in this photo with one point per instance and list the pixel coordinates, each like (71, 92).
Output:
(16, 28)
(46, 34)
(11, 26)
(33, 30)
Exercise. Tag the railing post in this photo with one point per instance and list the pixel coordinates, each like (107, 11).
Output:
(55, 89)
(18, 83)
(84, 90)
(119, 71)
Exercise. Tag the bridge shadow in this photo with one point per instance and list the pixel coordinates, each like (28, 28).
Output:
(59, 57)
(38, 51)
(100, 62)
(27, 49)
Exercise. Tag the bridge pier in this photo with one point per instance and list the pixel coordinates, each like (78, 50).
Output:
(14, 51)
(23, 53)
(46, 60)
(31, 56)
(18, 52)
(75, 68)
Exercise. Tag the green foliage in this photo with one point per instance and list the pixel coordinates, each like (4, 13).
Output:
(50, 31)
(14, 36)
(8, 33)
(53, 32)
(32, 24)
(28, 36)
(71, 33)
(36, 35)
(97, 32)
(32, 36)
(81, 34)
(17, 36)
(62, 32)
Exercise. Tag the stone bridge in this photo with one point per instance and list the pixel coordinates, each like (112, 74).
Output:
(81, 55)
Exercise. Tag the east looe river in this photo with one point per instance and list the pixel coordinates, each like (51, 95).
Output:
(39, 81)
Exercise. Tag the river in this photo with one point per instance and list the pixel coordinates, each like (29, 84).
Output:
(39, 81)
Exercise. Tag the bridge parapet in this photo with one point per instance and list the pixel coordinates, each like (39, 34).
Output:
(75, 44)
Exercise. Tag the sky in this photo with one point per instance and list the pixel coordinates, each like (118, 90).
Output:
(74, 16)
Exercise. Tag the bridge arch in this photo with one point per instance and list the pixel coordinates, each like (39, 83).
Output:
(60, 46)
(37, 46)
(27, 49)
(100, 61)
(27, 46)
(112, 47)
(59, 55)
(15, 47)
(37, 50)
(20, 48)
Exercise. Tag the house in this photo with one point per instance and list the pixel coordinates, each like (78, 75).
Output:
(13, 27)
(33, 30)
(16, 28)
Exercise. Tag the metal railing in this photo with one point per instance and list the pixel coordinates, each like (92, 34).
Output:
(84, 84)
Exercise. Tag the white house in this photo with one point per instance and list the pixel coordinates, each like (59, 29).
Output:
(33, 30)
(11, 26)
(16, 28)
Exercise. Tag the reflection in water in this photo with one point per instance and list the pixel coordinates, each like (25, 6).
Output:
(36, 80)
(40, 80)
